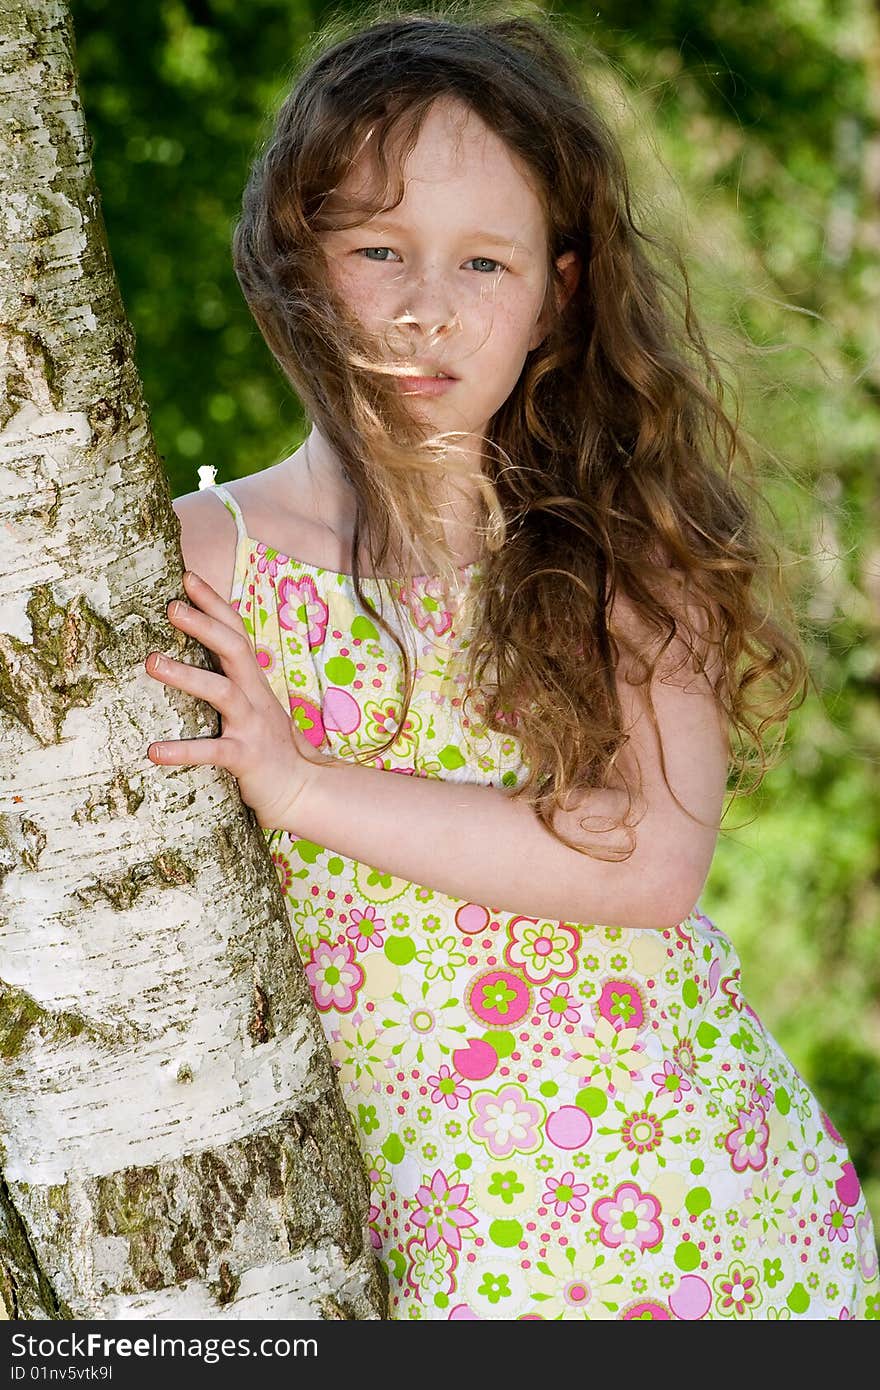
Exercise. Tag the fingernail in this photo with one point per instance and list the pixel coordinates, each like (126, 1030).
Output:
(174, 608)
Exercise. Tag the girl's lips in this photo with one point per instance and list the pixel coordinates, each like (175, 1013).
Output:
(426, 385)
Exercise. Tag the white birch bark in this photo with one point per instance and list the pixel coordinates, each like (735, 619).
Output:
(173, 1143)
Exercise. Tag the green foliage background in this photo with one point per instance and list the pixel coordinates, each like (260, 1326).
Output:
(752, 136)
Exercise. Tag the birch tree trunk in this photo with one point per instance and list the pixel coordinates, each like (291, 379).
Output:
(173, 1143)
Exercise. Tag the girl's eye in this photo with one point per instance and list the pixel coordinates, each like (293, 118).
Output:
(365, 251)
(380, 260)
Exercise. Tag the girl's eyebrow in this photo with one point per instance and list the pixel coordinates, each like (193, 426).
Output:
(497, 238)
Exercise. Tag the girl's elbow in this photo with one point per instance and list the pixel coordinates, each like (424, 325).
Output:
(672, 898)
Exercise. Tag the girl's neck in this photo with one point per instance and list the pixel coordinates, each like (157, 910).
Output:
(330, 502)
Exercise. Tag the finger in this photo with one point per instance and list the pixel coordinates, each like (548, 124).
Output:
(189, 752)
(215, 605)
(227, 638)
(217, 690)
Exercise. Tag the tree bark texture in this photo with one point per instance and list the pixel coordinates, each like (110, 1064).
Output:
(173, 1143)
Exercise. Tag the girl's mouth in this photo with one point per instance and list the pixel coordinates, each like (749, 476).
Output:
(426, 385)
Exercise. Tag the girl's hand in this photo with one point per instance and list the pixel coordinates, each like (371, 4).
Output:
(260, 744)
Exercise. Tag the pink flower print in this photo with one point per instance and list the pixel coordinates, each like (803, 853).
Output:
(737, 1293)
(670, 1082)
(641, 1132)
(506, 1121)
(629, 1217)
(838, 1222)
(847, 1186)
(266, 660)
(426, 601)
(830, 1129)
(564, 1194)
(366, 928)
(372, 1217)
(621, 1003)
(559, 1005)
(747, 1142)
(648, 1310)
(448, 1088)
(308, 719)
(441, 1212)
(762, 1092)
(301, 609)
(270, 560)
(334, 976)
(283, 870)
(539, 950)
(684, 1056)
(430, 1272)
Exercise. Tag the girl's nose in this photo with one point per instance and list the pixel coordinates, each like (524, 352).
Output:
(425, 319)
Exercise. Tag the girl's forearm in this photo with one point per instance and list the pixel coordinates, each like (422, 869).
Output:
(477, 844)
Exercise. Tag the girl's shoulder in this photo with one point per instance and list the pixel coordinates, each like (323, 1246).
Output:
(208, 538)
(266, 508)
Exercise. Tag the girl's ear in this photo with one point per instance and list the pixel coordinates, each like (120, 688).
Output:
(569, 266)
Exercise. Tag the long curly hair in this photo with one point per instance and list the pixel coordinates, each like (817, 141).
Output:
(613, 466)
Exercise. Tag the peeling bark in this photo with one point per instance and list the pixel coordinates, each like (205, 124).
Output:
(173, 1143)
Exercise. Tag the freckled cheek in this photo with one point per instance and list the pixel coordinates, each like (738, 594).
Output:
(504, 336)
(492, 328)
(359, 299)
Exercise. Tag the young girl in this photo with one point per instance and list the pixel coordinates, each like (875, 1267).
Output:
(512, 563)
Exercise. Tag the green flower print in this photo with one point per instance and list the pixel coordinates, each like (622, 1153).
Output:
(367, 1118)
(505, 1185)
(498, 996)
(495, 1287)
(772, 1273)
(441, 959)
(380, 720)
(378, 1173)
(606, 1056)
(361, 1053)
(577, 1283)
(767, 1212)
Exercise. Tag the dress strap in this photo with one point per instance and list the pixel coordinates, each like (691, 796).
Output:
(242, 552)
(230, 503)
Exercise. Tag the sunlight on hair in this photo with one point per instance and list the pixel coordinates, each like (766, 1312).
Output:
(613, 469)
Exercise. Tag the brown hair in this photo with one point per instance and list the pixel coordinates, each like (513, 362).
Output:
(611, 469)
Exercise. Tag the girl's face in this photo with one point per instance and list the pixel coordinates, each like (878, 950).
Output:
(454, 278)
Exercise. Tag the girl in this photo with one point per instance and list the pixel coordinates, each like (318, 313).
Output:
(513, 564)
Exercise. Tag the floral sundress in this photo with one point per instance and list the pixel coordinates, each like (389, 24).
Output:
(558, 1119)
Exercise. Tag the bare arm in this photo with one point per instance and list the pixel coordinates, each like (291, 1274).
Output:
(477, 844)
